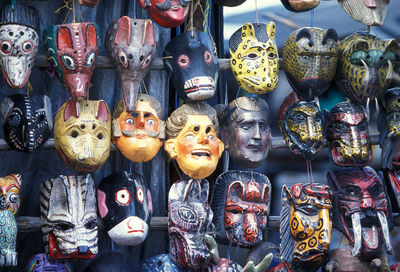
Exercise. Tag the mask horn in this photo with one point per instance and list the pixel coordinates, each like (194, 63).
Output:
(5, 109)
(102, 110)
(124, 31)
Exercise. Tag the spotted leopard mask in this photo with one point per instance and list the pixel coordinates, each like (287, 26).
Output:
(189, 218)
(254, 57)
(361, 210)
(72, 52)
(27, 121)
(82, 134)
(191, 62)
(68, 217)
(310, 57)
(19, 40)
(367, 12)
(305, 229)
(42, 263)
(348, 135)
(131, 45)
(300, 6)
(240, 203)
(365, 67)
(124, 204)
(301, 125)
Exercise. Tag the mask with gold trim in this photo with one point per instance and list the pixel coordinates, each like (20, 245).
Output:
(305, 229)
(310, 57)
(254, 57)
(82, 134)
(139, 134)
(300, 5)
(367, 12)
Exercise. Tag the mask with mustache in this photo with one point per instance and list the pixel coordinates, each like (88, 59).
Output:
(367, 12)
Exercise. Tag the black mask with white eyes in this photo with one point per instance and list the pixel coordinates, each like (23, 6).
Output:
(27, 121)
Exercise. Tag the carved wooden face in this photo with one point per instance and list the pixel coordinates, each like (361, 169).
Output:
(42, 263)
(9, 193)
(300, 5)
(368, 12)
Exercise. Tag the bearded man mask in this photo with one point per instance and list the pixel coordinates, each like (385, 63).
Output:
(371, 12)
(361, 210)
(139, 134)
(305, 229)
(245, 130)
(19, 40)
(192, 139)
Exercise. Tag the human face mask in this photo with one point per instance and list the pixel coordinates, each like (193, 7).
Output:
(367, 12)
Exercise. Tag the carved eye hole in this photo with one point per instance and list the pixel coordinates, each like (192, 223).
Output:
(208, 57)
(146, 62)
(123, 59)
(183, 61)
(123, 197)
(91, 224)
(74, 134)
(14, 198)
(64, 226)
(140, 195)
(6, 47)
(27, 46)
(68, 61)
(90, 59)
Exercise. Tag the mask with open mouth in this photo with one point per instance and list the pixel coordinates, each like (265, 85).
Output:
(240, 202)
(192, 65)
(305, 224)
(367, 12)
(42, 263)
(301, 125)
(348, 135)
(300, 5)
(125, 205)
(189, 219)
(19, 40)
(361, 210)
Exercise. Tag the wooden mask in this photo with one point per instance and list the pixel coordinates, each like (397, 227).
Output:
(43, 263)
(367, 12)
(161, 263)
(82, 134)
(300, 5)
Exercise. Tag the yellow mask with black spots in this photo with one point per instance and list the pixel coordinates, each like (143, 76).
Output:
(254, 57)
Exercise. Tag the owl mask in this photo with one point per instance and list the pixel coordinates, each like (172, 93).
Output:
(191, 62)
(371, 12)
(124, 204)
(19, 40)
(300, 5)
(27, 121)
(42, 263)
(72, 52)
(82, 134)
(310, 56)
(68, 217)
(254, 57)
(131, 45)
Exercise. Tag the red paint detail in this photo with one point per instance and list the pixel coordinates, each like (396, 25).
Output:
(12, 85)
(58, 255)
(185, 63)
(124, 202)
(63, 38)
(296, 190)
(140, 195)
(101, 203)
(124, 31)
(132, 231)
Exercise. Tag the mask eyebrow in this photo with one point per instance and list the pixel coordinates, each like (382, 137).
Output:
(147, 114)
(134, 114)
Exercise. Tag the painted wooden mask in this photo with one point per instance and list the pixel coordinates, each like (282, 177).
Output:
(365, 67)
(9, 205)
(310, 57)
(82, 134)
(367, 12)
(19, 40)
(245, 131)
(27, 121)
(191, 62)
(348, 135)
(305, 229)
(42, 263)
(241, 201)
(254, 57)
(361, 210)
(189, 218)
(131, 45)
(192, 139)
(139, 134)
(72, 52)
(161, 263)
(301, 125)
(300, 5)
(68, 217)
(125, 205)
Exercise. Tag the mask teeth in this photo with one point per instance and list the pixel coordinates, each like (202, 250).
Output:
(385, 231)
(356, 222)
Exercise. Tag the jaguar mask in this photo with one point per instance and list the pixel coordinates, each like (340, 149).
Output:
(42, 263)
(365, 67)
(191, 62)
(19, 40)
(310, 57)
(300, 5)
(305, 229)
(240, 203)
(131, 45)
(82, 134)
(254, 57)
(361, 210)
(124, 204)
(348, 135)
(68, 217)
(367, 12)
(189, 218)
(72, 52)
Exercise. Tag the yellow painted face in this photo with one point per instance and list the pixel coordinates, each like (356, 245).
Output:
(254, 57)
(196, 148)
(82, 134)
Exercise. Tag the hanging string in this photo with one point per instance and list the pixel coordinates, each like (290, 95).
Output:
(80, 12)
(145, 88)
(13, 3)
(312, 18)
(237, 94)
(29, 88)
(206, 15)
(70, 6)
(308, 172)
(130, 167)
(257, 21)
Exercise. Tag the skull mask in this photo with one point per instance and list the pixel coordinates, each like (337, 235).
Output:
(72, 51)
(19, 40)
(124, 204)
(68, 217)
(368, 12)
(131, 45)
(43, 263)
(300, 5)
(27, 121)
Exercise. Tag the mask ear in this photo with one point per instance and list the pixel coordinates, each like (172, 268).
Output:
(102, 110)
(124, 31)
(236, 189)
(148, 36)
(303, 34)
(64, 38)
(271, 30)
(91, 35)
(71, 109)
(17, 178)
(247, 30)
(5, 109)
(169, 146)
(330, 34)
(223, 134)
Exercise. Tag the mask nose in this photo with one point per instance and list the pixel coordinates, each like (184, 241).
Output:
(203, 139)
(140, 121)
(367, 202)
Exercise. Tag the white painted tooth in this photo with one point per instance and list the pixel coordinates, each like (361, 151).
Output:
(385, 231)
(355, 220)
